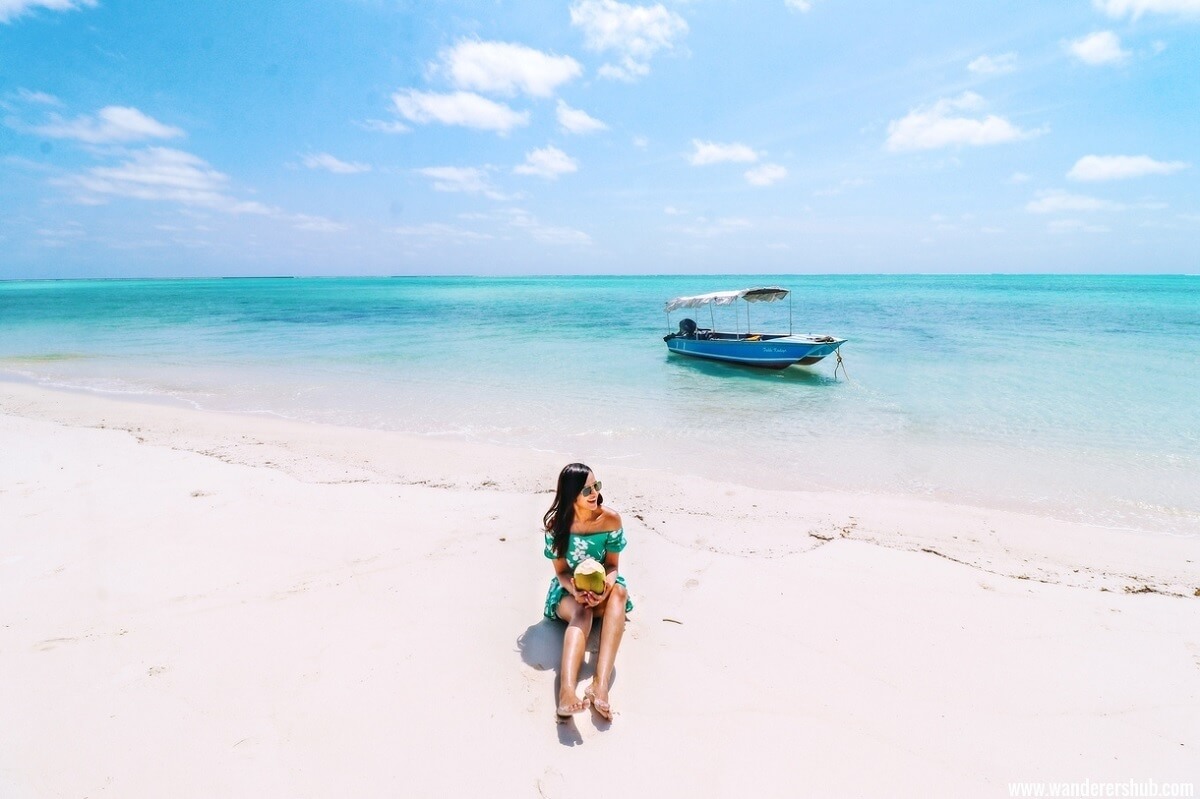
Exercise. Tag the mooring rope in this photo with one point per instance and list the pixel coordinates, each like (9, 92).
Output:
(840, 365)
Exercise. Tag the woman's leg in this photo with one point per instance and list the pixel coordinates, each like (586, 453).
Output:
(610, 639)
(579, 627)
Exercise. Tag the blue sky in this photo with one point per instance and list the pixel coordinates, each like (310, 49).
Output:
(597, 136)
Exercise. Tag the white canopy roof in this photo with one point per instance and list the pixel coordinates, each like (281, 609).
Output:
(761, 294)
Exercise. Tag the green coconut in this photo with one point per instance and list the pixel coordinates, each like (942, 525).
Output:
(589, 576)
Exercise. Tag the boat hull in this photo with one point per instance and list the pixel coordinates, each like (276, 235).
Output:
(768, 353)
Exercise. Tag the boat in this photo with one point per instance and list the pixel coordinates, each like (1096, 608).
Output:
(765, 350)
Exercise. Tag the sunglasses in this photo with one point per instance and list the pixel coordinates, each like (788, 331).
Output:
(587, 490)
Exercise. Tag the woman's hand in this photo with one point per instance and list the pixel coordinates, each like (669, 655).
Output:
(582, 597)
(593, 599)
(588, 599)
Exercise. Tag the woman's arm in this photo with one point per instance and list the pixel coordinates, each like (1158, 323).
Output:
(612, 559)
(566, 578)
(611, 562)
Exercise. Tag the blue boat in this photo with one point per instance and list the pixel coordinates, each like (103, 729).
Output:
(766, 350)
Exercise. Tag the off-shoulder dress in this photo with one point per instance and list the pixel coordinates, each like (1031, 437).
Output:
(581, 546)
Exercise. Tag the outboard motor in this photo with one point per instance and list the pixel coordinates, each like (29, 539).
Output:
(687, 328)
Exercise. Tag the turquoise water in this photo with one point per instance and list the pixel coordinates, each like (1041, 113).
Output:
(1065, 396)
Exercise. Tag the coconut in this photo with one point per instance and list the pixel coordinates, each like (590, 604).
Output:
(589, 576)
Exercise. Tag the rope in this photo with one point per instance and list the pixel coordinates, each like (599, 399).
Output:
(840, 365)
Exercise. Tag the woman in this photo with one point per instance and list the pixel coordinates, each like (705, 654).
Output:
(579, 527)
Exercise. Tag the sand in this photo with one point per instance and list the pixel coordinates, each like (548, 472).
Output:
(196, 604)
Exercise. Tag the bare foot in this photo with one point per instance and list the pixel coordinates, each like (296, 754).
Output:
(569, 704)
(597, 695)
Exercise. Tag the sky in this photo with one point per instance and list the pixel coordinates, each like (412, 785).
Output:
(388, 137)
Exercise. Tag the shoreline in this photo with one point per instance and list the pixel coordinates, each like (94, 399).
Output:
(456, 438)
(319, 452)
(203, 604)
(656, 461)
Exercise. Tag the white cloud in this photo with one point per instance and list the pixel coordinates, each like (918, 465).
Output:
(1097, 49)
(380, 126)
(456, 178)
(572, 120)
(709, 228)
(335, 165)
(458, 108)
(803, 6)
(641, 142)
(11, 9)
(551, 234)
(548, 162)
(1054, 202)
(159, 170)
(503, 68)
(993, 64)
(1118, 167)
(633, 33)
(845, 185)
(69, 230)
(708, 152)
(469, 180)
(439, 230)
(113, 123)
(934, 126)
(547, 234)
(628, 71)
(316, 224)
(163, 174)
(1018, 177)
(39, 98)
(766, 174)
(1136, 8)
(1073, 226)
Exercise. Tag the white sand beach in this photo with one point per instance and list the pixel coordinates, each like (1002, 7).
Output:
(198, 605)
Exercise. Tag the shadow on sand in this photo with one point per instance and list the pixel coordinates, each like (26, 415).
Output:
(541, 648)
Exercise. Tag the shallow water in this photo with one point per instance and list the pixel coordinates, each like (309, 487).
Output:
(1072, 397)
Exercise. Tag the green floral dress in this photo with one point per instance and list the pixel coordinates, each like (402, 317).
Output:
(580, 547)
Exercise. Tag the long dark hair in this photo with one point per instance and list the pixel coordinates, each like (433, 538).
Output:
(561, 516)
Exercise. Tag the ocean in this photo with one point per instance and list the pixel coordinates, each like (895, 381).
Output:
(1073, 397)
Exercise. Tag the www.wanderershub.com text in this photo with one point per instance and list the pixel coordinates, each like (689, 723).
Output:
(1139, 788)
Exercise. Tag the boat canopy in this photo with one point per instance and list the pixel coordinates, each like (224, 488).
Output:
(761, 294)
